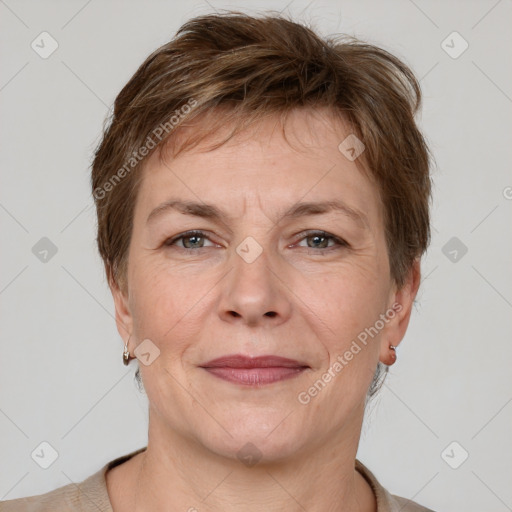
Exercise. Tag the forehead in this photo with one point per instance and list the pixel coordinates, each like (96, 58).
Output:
(262, 166)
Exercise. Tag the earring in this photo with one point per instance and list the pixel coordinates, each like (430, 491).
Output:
(393, 355)
(126, 353)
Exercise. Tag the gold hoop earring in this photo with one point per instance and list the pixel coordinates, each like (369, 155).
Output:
(126, 353)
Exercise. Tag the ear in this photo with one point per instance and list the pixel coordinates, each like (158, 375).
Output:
(401, 302)
(124, 319)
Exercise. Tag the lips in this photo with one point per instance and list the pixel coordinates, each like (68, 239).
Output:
(239, 361)
(254, 371)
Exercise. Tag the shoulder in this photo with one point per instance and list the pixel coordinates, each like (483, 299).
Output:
(387, 502)
(65, 498)
(89, 495)
(405, 505)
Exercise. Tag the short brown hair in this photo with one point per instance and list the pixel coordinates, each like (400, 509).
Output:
(254, 67)
(269, 65)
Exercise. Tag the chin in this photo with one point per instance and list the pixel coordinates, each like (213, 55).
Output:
(252, 441)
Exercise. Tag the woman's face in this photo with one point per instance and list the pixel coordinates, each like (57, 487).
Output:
(265, 277)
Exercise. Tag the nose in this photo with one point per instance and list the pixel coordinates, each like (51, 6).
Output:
(255, 293)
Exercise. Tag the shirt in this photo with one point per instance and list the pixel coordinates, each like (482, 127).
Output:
(91, 495)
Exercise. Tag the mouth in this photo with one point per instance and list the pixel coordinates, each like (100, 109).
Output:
(254, 371)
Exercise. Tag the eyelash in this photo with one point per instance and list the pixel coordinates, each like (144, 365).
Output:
(338, 241)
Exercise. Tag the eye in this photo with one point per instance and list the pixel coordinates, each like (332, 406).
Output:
(321, 239)
(190, 240)
(195, 239)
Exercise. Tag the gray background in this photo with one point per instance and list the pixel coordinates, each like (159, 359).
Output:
(61, 376)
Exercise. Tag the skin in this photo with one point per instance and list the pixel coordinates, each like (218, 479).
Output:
(298, 299)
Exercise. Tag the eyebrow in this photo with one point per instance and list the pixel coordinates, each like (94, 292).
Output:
(211, 212)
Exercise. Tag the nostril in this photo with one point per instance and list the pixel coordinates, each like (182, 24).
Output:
(271, 313)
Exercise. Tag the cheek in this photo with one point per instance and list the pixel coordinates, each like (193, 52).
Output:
(355, 293)
(351, 307)
(156, 303)
(166, 303)
(349, 303)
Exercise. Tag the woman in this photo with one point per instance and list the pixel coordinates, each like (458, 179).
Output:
(263, 204)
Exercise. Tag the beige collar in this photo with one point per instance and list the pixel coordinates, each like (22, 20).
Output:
(94, 489)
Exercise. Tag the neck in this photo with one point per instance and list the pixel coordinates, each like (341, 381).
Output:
(179, 471)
